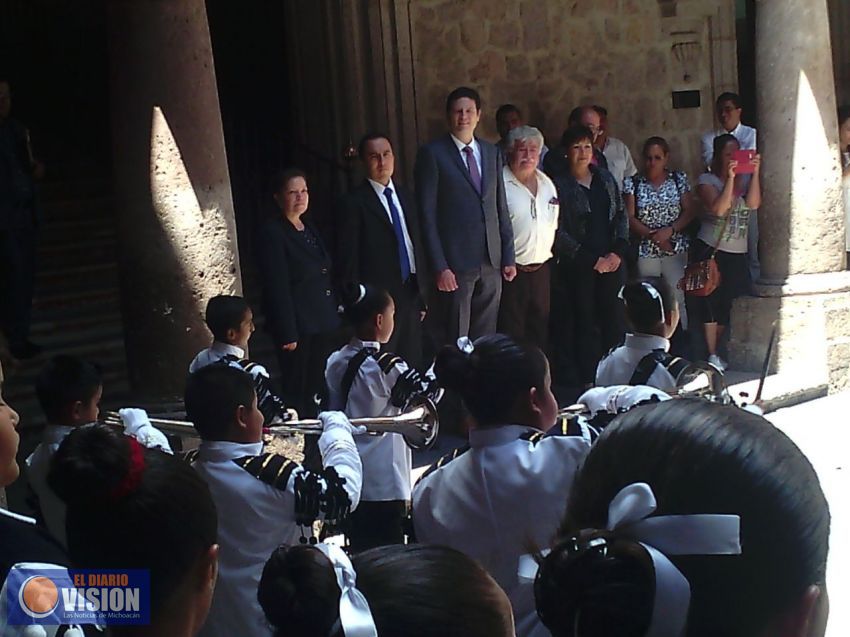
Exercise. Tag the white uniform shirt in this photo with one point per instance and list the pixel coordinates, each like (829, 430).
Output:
(619, 158)
(38, 464)
(618, 366)
(408, 244)
(387, 460)
(254, 518)
(746, 136)
(219, 350)
(533, 218)
(492, 500)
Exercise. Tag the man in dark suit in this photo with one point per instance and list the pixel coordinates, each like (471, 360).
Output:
(465, 223)
(379, 243)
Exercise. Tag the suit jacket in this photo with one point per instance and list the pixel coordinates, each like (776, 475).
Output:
(367, 251)
(462, 229)
(298, 296)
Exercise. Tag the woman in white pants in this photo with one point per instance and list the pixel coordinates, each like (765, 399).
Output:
(660, 207)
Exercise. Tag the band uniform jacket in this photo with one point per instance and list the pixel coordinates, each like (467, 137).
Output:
(387, 460)
(620, 365)
(509, 487)
(255, 496)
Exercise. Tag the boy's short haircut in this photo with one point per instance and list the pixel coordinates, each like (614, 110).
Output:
(213, 393)
(63, 381)
(225, 313)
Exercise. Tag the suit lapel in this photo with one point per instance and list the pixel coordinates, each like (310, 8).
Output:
(375, 206)
(461, 165)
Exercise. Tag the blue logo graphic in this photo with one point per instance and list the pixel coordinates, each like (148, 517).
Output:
(55, 596)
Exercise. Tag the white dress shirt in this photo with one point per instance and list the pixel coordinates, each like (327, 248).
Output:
(408, 244)
(476, 152)
(534, 217)
(254, 518)
(38, 465)
(746, 136)
(620, 162)
(387, 460)
(618, 366)
(508, 490)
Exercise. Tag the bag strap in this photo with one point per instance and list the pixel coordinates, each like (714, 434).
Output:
(354, 366)
(646, 366)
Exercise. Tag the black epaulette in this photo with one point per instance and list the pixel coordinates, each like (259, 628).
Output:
(189, 456)
(532, 436)
(269, 468)
(576, 426)
(387, 360)
(442, 462)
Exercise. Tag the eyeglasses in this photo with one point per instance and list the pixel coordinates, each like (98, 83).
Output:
(534, 208)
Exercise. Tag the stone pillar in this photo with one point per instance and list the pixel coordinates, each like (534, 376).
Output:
(804, 285)
(177, 232)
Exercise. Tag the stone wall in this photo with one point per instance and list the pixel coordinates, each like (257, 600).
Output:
(548, 56)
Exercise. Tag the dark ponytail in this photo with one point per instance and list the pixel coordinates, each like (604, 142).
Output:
(405, 586)
(298, 592)
(698, 458)
(131, 507)
(645, 309)
(493, 376)
(590, 584)
(362, 303)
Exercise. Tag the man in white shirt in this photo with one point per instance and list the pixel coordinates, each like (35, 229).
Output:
(618, 155)
(728, 109)
(533, 209)
(509, 117)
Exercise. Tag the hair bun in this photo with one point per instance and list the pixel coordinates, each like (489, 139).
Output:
(298, 592)
(453, 367)
(593, 584)
(352, 294)
(89, 463)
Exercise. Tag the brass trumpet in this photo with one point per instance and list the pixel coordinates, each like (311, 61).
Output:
(418, 425)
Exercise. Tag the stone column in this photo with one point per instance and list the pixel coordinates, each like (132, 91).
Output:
(804, 285)
(177, 232)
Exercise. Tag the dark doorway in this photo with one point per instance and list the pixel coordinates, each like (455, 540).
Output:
(54, 54)
(745, 24)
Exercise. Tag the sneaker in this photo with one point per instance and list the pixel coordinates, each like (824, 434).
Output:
(718, 362)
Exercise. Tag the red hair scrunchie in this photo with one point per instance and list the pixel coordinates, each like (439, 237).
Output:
(133, 477)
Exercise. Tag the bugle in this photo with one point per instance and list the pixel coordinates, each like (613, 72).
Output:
(418, 425)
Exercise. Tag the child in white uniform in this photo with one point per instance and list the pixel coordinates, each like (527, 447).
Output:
(643, 359)
(365, 382)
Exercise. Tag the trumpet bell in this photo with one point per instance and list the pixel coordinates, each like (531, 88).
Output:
(703, 380)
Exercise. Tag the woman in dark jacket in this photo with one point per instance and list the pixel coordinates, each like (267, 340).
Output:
(590, 243)
(300, 301)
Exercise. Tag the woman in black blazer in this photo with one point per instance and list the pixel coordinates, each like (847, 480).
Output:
(300, 302)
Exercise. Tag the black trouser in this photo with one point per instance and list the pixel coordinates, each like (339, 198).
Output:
(595, 319)
(406, 339)
(376, 524)
(302, 379)
(524, 309)
(17, 283)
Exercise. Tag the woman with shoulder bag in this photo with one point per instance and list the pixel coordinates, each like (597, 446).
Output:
(728, 199)
(660, 207)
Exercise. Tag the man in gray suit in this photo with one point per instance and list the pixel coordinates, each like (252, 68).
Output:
(465, 224)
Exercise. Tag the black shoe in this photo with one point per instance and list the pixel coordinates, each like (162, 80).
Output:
(26, 350)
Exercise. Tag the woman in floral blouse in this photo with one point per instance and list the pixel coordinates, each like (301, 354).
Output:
(660, 206)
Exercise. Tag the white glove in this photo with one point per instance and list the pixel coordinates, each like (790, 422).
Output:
(616, 398)
(138, 425)
(337, 420)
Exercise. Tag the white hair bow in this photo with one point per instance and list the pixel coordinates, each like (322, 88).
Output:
(660, 536)
(465, 345)
(355, 616)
